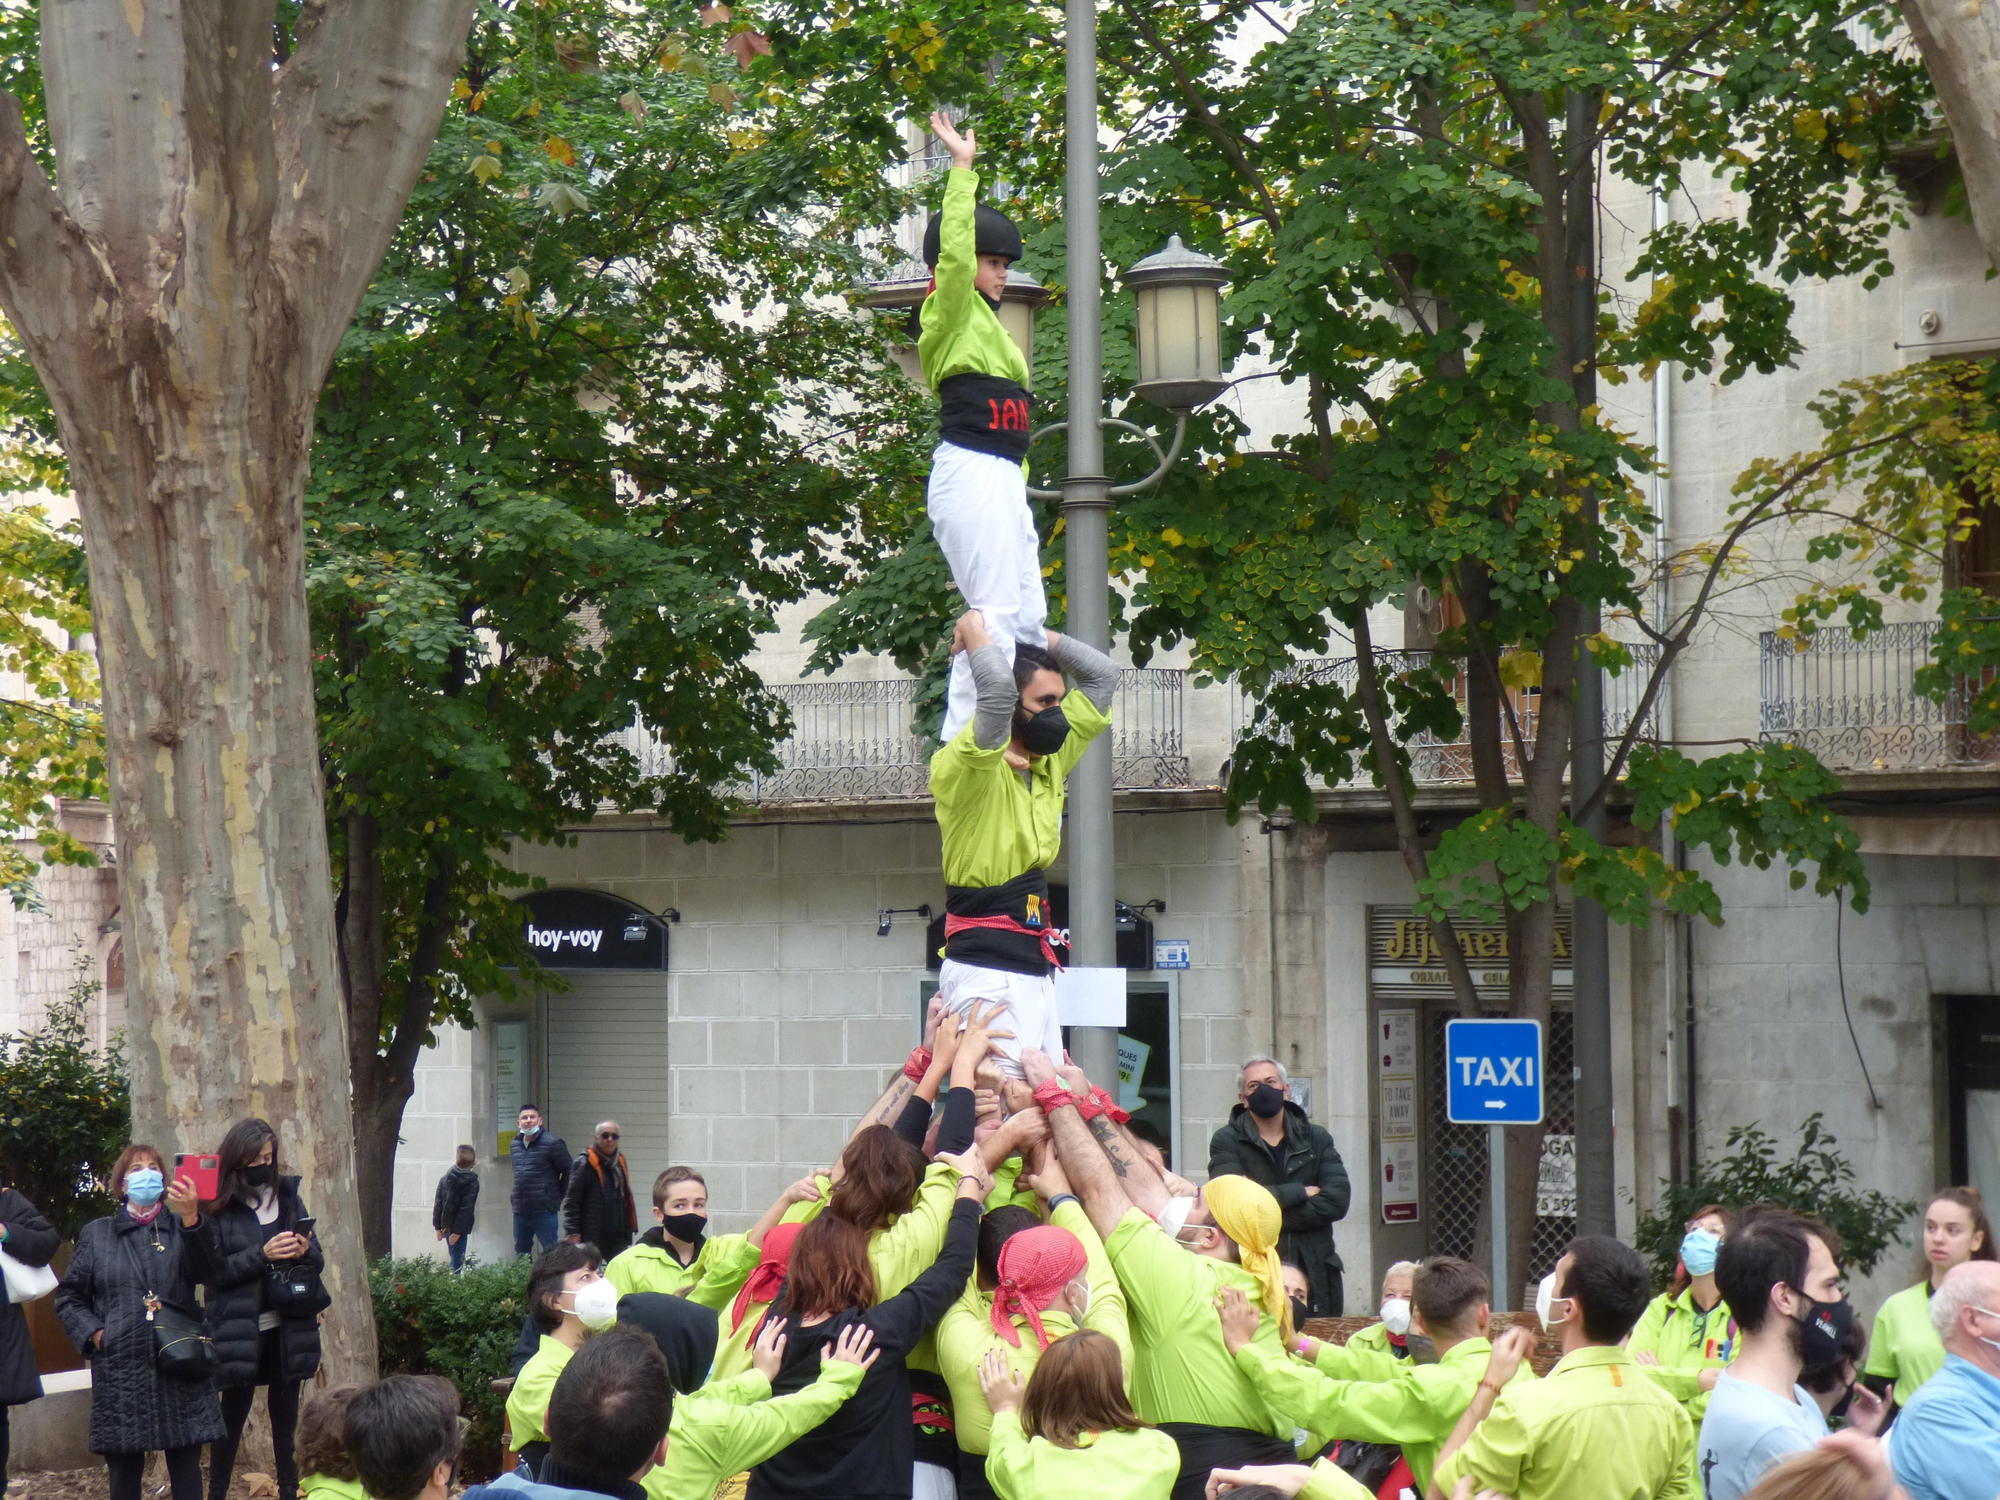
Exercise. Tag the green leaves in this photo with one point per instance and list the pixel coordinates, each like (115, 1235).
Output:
(65, 1111)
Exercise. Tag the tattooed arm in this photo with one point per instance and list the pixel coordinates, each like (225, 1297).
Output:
(1095, 1178)
(1138, 1176)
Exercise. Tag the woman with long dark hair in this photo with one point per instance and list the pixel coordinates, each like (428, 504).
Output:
(264, 1298)
(1686, 1334)
(30, 1239)
(866, 1448)
(1905, 1349)
(150, 1252)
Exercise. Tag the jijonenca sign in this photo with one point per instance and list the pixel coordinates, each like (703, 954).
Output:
(1412, 941)
(577, 929)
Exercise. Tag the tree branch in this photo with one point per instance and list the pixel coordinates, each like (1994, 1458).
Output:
(40, 244)
(357, 109)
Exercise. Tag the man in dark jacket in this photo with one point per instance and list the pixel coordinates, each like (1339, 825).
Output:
(1269, 1140)
(451, 1212)
(541, 1172)
(598, 1208)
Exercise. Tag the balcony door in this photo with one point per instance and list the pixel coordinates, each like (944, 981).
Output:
(1973, 1050)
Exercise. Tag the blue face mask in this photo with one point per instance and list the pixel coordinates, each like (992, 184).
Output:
(144, 1187)
(1698, 1251)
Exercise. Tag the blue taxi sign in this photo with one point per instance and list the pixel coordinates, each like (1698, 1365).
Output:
(1493, 1072)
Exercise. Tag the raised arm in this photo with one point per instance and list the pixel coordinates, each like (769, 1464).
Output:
(1144, 1183)
(993, 689)
(1096, 674)
(1097, 1181)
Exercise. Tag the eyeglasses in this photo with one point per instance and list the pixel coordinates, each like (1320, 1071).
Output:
(607, 1135)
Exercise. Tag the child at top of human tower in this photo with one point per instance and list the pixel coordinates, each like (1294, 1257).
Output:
(978, 497)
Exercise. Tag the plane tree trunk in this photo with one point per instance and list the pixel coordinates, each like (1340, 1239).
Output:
(181, 288)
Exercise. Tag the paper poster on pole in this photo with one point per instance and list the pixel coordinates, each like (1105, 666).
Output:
(1090, 997)
(1399, 1182)
(1131, 1072)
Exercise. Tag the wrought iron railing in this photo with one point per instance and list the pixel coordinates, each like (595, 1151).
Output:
(1438, 763)
(1853, 702)
(855, 741)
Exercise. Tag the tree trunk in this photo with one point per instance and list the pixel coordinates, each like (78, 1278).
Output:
(1961, 47)
(181, 291)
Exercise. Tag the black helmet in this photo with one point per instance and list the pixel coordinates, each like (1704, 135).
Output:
(993, 234)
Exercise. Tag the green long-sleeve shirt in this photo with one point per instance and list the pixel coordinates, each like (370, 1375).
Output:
(1685, 1340)
(1368, 1355)
(966, 1333)
(652, 1268)
(729, 1426)
(961, 334)
(1417, 1407)
(528, 1401)
(1138, 1465)
(1595, 1426)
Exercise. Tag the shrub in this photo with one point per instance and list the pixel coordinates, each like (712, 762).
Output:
(1816, 1181)
(430, 1322)
(65, 1111)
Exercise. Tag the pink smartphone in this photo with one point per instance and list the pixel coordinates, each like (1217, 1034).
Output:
(205, 1170)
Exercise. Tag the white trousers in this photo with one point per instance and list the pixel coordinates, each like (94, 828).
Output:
(1030, 1014)
(978, 505)
(929, 1482)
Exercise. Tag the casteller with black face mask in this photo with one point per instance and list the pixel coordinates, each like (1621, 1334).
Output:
(1041, 733)
(1265, 1102)
(687, 1228)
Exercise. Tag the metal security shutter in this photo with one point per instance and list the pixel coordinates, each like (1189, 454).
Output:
(607, 1040)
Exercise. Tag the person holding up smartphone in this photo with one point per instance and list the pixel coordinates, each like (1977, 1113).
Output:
(264, 1298)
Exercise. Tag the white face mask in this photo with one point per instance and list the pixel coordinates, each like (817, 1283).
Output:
(596, 1305)
(1545, 1301)
(1079, 1298)
(1174, 1216)
(1986, 1312)
(1396, 1315)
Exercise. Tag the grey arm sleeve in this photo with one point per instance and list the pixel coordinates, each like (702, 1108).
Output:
(994, 698)
(1096, 674)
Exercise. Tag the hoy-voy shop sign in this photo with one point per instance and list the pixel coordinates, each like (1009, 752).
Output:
(576, 929)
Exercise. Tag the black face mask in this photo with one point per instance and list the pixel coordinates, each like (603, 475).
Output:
(1840, 1407)
(1298, 1315)
(1265, 1102)
(686, 1228)
(1042, 733)
(1823, 1330)
(262, 1176)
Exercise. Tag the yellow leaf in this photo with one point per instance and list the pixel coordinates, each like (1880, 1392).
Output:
(1521, 669)
(722, 96)
(486, 168)
(633, 105)
(461, 90)
(560, 151)
(1172, 537)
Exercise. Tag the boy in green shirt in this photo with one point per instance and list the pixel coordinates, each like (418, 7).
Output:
(676, 1253)
(978, 497)
(1417, 1406)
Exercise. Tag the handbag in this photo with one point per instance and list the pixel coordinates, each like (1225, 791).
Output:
(292, 1289)
(25, 1282)
(183, 1349)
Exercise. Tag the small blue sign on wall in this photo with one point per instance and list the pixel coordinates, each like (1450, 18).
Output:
(1493, 1072)
(1170, 953)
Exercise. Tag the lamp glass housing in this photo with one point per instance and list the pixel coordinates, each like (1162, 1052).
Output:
(1180, 335)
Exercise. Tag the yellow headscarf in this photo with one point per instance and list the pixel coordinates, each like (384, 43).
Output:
(1249, 1215)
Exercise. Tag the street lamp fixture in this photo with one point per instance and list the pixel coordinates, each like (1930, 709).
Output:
(1179, 327)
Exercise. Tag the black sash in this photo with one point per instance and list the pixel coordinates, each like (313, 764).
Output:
(1204, 1448)
(1025, 898)
(986, 413)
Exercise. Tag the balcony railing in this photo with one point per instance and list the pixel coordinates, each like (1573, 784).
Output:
(1437, 763)
(1851, 702)
(853, 741)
